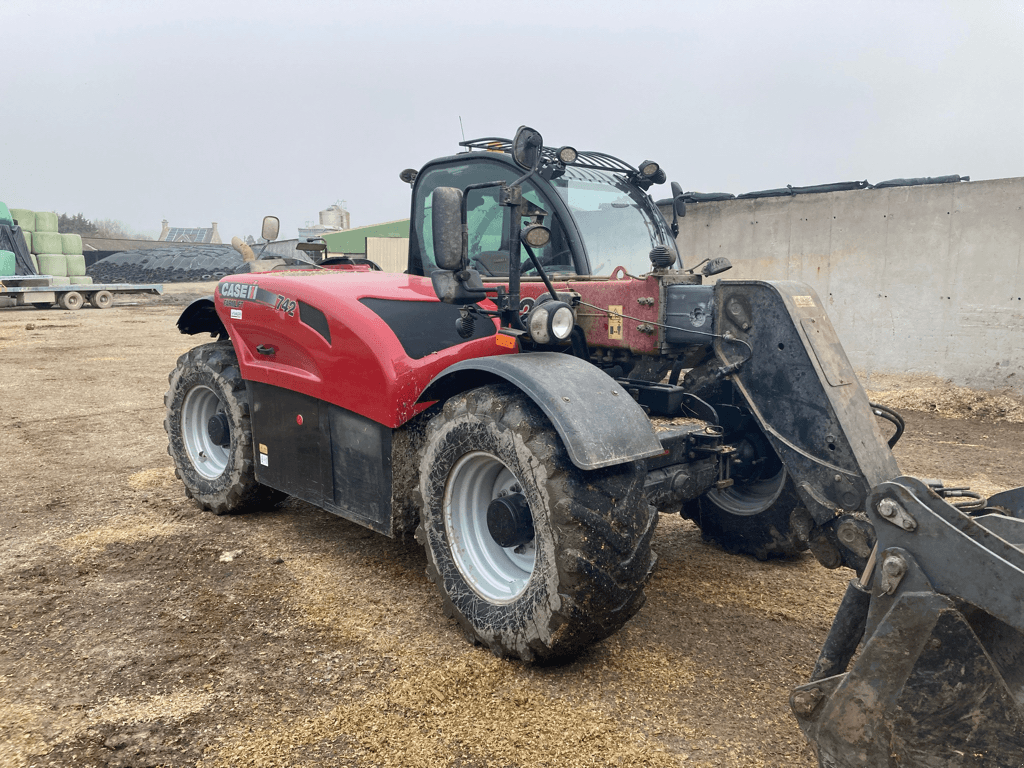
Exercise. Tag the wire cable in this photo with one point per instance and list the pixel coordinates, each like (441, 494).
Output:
(730, 368)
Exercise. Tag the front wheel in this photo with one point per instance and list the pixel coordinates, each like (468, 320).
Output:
(209, 434)
(760, 514)
(534, 557)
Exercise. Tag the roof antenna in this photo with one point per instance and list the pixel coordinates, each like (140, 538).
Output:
(461, 128)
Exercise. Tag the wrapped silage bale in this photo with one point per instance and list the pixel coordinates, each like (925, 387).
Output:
(5, 216)
(76, 264)
(28, 240)
(80, 280)
(7, 263)
(35, 262)
(53, 264)
(58, 280)
(26, 219)
(46, 221)
(72, 244)
(47, 242)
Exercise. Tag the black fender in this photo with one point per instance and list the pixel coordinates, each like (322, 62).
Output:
(201, 317)
(597, 420)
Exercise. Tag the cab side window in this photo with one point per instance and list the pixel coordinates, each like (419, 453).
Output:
(487, 221)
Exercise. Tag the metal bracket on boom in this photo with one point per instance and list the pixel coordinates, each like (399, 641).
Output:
(938, 678)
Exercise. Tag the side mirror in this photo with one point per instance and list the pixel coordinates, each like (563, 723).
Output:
(678, 207)
(678, 203)
(271, 227)
(453, 282)
(526, 148)
(446, 226)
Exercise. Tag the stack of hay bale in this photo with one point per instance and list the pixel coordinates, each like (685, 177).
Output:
(7, 260)
(52, 253)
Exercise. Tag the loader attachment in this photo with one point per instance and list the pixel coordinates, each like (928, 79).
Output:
(939, 678)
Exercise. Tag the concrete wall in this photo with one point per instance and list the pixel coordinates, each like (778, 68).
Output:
(926, 279)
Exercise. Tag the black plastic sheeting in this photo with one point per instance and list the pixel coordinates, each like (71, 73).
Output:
(706, 197)
(780, 192)
(174, 264)
(922, 180)
(817, 189)
(12, 240)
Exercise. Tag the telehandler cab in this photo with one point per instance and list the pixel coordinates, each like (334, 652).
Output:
(543, 379)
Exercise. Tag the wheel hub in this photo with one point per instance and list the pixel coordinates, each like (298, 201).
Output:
(219, 430)
(509, 520)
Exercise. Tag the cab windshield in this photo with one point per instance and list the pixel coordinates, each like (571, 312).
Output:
(617, 221)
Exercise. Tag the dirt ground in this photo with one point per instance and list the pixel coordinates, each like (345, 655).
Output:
(138, 630)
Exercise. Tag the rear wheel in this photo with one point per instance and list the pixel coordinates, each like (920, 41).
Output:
(101, 299)
(760, 514)
(209, 432)
(533, 557)
(70, 300)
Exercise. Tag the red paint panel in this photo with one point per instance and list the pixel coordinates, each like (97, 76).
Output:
(365, 368)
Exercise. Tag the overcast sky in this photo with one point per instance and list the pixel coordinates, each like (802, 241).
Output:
(225, 110)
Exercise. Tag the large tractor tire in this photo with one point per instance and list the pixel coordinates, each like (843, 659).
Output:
(759, 518)
(209, 433)
(534, 558)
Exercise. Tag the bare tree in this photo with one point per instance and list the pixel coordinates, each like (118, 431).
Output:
(118, 230)
(79, 225)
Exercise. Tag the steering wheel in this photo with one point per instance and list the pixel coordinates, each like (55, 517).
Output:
(560, 259)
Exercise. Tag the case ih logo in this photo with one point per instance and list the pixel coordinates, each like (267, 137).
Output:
(238, 291)
(245, 292)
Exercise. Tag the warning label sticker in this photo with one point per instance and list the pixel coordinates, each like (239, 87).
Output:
(615, 321)
(803, 301)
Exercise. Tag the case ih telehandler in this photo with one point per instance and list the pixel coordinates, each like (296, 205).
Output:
(543, 379)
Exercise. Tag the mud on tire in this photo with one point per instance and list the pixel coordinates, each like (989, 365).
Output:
(582, 574)
(216, 467)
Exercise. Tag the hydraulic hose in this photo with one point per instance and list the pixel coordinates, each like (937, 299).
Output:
(891, 416)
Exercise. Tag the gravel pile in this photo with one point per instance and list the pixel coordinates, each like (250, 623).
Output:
(174, 264)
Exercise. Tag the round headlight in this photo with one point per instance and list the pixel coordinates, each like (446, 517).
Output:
(561, 322)
(538, 325)
(567, 155)
(550, 322)
(648, 168)
(536, 235)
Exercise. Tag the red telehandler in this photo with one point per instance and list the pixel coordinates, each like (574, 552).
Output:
(499, 399)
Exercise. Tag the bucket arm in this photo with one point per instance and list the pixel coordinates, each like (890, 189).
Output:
(937, 614)
(939, 679)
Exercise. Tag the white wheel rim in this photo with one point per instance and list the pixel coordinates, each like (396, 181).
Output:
(200, 405)
(749, 497)
(498, 574)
